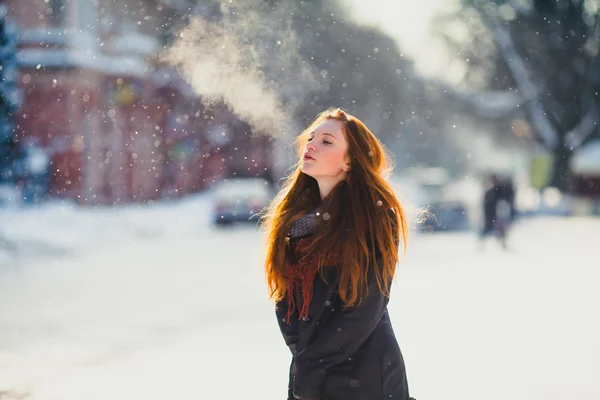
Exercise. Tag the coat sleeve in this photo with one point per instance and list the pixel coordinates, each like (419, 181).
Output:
(288, 331)
(342, 337)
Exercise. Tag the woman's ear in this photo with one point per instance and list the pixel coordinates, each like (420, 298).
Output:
(346, 166)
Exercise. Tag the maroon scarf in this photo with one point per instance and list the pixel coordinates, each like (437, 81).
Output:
(301, 277)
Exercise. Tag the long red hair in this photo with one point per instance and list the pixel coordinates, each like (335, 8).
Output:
(359, 221)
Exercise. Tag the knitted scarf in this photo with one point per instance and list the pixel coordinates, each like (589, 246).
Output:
(302, 267)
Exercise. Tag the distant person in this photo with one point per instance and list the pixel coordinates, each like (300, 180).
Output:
(498, 210)
(333, 235)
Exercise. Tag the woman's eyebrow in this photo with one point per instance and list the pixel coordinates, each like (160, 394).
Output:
(325, 133)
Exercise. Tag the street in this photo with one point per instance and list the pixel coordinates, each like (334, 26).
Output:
(185, 315)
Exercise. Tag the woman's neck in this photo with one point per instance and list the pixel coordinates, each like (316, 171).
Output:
(326, 186)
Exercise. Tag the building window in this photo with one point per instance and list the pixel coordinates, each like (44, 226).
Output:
(58, 10)
(87, 15)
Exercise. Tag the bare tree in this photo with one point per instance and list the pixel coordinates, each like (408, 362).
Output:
(547, 53)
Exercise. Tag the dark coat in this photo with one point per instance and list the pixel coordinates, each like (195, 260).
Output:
(492, 197)
(343, 353)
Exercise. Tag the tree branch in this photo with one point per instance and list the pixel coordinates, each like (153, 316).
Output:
(516, 65)
(495, 104)
(576, 136)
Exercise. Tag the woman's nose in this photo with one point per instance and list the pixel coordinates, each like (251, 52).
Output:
(310, 147)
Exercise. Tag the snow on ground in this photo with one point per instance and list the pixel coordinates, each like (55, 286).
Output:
(62, 227)
(154, 303)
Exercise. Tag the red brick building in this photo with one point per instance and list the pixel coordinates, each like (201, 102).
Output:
(118, 125)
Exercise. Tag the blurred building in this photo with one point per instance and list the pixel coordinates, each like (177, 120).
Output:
(118, 125)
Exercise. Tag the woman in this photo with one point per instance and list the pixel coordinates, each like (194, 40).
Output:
(332, 235)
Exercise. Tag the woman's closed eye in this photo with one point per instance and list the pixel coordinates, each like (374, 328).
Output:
(325, 142)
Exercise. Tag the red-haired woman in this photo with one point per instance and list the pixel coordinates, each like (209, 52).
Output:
(333, 233)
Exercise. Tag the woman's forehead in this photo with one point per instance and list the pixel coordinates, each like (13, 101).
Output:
(331, 126)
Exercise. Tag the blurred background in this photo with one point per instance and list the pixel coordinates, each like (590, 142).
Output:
(140, 138)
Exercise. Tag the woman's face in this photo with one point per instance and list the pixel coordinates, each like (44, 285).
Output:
(325, 155)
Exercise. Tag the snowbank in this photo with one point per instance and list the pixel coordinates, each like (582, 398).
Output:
(60, 227)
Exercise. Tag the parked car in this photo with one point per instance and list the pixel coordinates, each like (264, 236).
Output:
(449, 215)
(240, 199)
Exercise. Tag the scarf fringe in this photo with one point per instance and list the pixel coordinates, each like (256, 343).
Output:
(301, 277)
